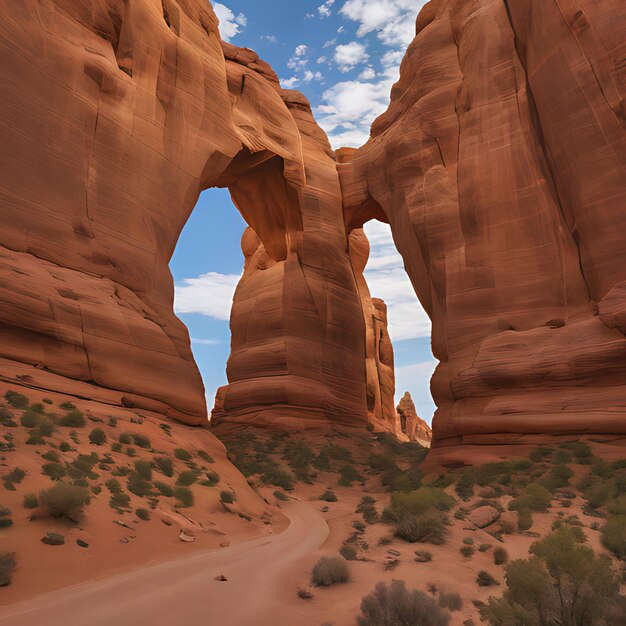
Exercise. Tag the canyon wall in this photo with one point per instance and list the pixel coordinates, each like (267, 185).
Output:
(501, 167)
(115, 116)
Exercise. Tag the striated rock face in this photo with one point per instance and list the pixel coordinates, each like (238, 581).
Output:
(115, 116)
(411, 425)
(500, 165)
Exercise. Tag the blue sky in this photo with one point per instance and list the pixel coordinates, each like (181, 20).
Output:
(344, 56)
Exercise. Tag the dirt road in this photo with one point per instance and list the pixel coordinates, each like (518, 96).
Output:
(183, 591)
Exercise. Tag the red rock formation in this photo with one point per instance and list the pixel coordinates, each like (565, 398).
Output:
(500, 165)
(115, 116)
(411, 425)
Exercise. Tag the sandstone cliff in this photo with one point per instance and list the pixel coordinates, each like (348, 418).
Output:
(411, 425)
(500, 165)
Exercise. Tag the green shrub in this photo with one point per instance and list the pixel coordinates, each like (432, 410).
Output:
(451, 601)
(64, 500)
(67, 406)
(55, 471)
(394, 605)
(141, 441)
(206, 456)
(16, 400)
(144, 468)
(16, 475)
(524, 519)
(125, 438)
(65, 447)
(5, 517)
(30, 419)
(500, 556)
(116, 446)
(8, 563)
(187, 478)
(30, 501)
(467, 551)
(119, 500)
(164, 489)
(329, 496)
(279, 495)
(468, 541)
(614, 535)
(485, 579)
(421, 500)
(97, 437)
(465, 485)
(329, 571)
(164, 465)
(113, 485)
(533, 498)
(228, 497)
(143, 514)
(348, 552)
(138, 485)
(52, 456)
(349, 474)
(72, 419)
(558, 477)
(426, 528)
(184, 495)
(6, 418)
(279, 476)
(212, 479)
(182, 455)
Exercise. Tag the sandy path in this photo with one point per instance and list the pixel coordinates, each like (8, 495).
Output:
(183, 591)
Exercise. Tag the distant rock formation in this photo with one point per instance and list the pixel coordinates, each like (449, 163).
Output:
(411, 425)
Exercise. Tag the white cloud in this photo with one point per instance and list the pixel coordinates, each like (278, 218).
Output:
(348, 56)
(299, 58)
(367, 74)
(230, 24)
(205, 342)
(329, 43)
(325, 9)
(321, 59)
(209, 294)
(308, 76)
(288, 83)
(270, 38)
(392, 20)
(387, 279)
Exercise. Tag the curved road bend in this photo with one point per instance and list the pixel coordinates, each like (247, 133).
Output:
(183, 591)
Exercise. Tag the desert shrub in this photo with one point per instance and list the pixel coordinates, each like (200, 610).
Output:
(55, 471)
(130, 451)
(485, 579)
(563, 582)
(116, 446)
(113, 485)
(426, 528)
(581, 451)
(16, 475)
(65, 447)
(321, 462)
(524, 519)
(64, 500)
(72, 419)
(279, 495)
(279, 476)
(300, 457)
(5, 517)
(329, 496)
(205, 456)
(533, 498)
(96, 489)
(451, 601)
(329, 570)
(540, 454)
(465, 485)
(184, 495)
(337, 453)
(138, 485)
(8, 563)
(67, 406)
(97, 437)
(143, 514)
(614, 535)
(468, 541)
(348, 552)
(212, 479)
(394, 605)
(187, 478)
(467, 551)
(358, 525)
(30, 419)
(557, 478)
(30, 501)
(119, 500)
(125, 438)
(164, 489)
(52, 455)
(164, 465)
(83, 466)
(348, 475)
(500, 556)
(421, 500)
(483, 547)
(16, 400)
(228, 497)
(141, 441)
(144, 468)
(6, 418)
(182, 455)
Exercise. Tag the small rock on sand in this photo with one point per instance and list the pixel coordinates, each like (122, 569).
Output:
(484, 516)
(221, 578)
(53, 539)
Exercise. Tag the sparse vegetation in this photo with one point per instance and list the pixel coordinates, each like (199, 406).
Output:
(485, 579)
(184, 495)
(348, 552)
(329, 571)
(142, 514)
(500, 556)
(164, 465)
(164, 489)
(187, 478)
(227, 497)
(8, 564)
(30, 501)
(97, 437)
(182, 455)
(65, 500)
(426, 528)
(72, 419)
(394, 605)
(329, 496)
(451, 601)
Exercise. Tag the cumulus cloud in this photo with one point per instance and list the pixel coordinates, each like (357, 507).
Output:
(209, 294)
(270, 38)
(205, 342)
(298, 60)
(325, 9)
(348, 56)
(367, 74)
(392, 20)
(230, 24)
